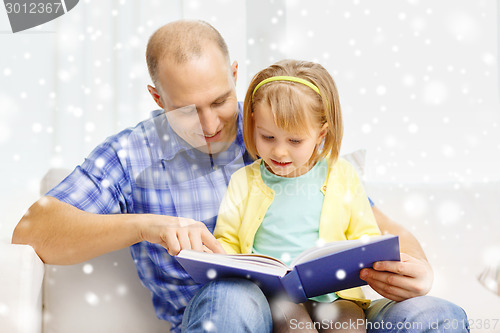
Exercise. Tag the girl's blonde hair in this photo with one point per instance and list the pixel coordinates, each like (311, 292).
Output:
(289, 107)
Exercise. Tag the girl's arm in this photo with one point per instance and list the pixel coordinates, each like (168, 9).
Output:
(229, 218)
(362, 222)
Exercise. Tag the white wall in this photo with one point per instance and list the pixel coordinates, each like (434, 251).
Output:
(418, 80)
(67, 85)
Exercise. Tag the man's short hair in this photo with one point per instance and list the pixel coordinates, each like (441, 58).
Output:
(181, 41)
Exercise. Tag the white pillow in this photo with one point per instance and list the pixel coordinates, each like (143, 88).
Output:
(357, 159)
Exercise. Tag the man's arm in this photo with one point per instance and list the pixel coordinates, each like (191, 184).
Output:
(62, 234)
(408, 243)
(398, 281)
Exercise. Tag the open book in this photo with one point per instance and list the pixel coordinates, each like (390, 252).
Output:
(319, 270)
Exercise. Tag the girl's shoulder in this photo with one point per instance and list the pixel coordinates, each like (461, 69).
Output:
(342, 169)
(249, 171)
(339, 164)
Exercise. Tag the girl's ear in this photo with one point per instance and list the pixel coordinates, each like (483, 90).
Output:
(322, 133)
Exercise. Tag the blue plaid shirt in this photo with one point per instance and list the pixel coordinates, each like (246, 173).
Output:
(149, 169)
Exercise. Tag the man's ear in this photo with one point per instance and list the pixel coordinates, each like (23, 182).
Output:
(322, 133)
(234, 71)
(156, 96)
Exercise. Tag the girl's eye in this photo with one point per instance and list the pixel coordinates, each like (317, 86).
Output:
(295, 141)
(267, 137)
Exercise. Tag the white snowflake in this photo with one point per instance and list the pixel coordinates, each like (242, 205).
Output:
(4, 309)
(122, 290)
(92, 298)
(99, 163)
(381, 90)
(208, 326)
(340, 274)
(88, 268)
(435, 93)
(449, 212)
(211, 274)
(413, 128)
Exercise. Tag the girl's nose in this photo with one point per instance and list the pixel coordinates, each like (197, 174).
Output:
(279, 150)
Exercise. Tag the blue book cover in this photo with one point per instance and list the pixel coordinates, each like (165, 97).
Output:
(320, 270)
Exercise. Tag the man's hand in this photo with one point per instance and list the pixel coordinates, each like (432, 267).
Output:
(178, 233)
(400, 280)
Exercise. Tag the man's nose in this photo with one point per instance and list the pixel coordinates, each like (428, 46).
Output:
(209, 121)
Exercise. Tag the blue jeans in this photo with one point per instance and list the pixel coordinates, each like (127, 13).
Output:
(234, 305)
(230, 305)
(419, 314)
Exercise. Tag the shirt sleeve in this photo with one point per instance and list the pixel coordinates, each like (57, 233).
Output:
(101, 184)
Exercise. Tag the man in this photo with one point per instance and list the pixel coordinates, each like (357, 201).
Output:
(157, 188)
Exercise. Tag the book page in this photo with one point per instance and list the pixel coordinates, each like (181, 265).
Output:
(253, 262)
(333, 247)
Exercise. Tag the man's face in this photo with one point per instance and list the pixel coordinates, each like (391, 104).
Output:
(199, 98)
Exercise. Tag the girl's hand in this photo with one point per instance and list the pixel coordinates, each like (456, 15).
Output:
(400, 280)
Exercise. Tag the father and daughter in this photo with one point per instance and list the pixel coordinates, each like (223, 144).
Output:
(298, 193)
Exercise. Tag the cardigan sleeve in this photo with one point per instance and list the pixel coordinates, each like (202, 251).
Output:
(362, 222)
(230, 214)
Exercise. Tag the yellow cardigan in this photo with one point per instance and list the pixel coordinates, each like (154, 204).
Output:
(346, 211)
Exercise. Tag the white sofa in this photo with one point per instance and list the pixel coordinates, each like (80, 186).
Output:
(99, 296)
(458, 225)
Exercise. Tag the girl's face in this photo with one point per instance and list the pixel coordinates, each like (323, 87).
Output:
(285, 154)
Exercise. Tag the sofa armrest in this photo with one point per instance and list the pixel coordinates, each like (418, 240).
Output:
(21, 279)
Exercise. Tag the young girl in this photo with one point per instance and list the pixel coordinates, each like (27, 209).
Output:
(299, 193)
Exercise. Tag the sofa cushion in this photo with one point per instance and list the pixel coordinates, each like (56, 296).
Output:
(104, 293)
(20, 289)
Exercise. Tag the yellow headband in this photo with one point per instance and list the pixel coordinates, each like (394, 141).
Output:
(287, 78)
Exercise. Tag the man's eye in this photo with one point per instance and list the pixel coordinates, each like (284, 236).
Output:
(219, 103)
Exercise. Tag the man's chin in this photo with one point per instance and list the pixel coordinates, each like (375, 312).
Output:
(213, 147)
